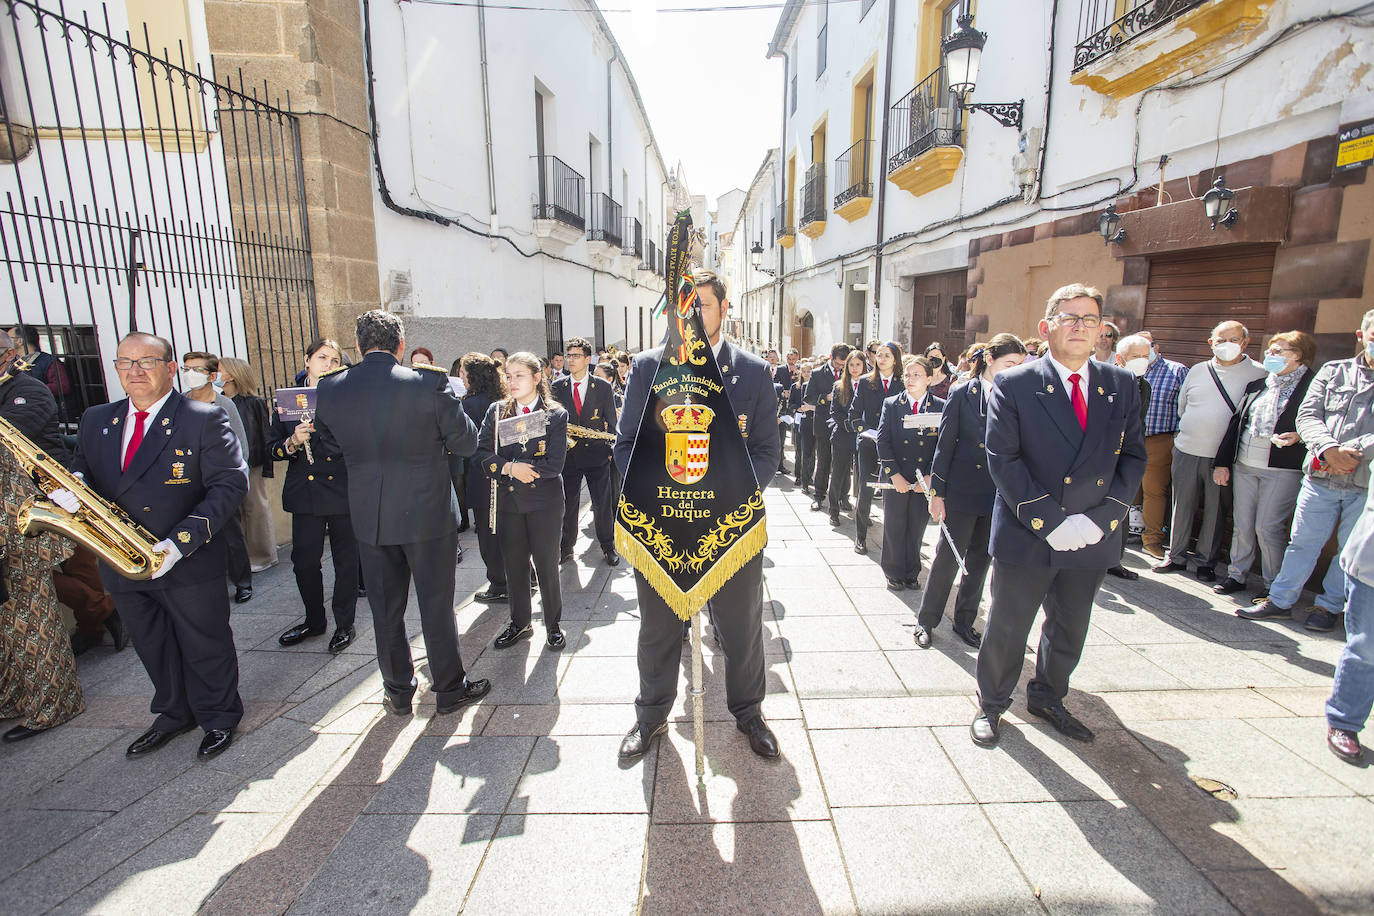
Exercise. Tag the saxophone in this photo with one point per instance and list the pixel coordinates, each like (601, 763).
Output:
(99, 525)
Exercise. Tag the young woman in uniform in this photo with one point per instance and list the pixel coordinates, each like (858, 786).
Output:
(482, 381)
(864, 414)
(906, 446)
(843, 434)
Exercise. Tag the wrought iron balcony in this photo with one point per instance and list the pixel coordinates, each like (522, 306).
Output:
(1101, 30)
(650, 261)
(924, 118)
(560, 192)
(606, 220)
(813, 196)
(634, 238)
(852, 175)
(785, 225)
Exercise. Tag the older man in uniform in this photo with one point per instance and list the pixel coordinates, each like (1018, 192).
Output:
(175, 467)
(590, 403)
(1065, 449)
(737, 608)
(396, 425)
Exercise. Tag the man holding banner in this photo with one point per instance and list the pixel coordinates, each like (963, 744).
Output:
(697, 442)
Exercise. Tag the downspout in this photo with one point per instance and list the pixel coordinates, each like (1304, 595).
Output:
(782, 182)
(877, 282)
(486, 116)
(610, 140)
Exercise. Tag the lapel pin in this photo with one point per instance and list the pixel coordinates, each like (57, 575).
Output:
(1099, 390)
(115, 421)
(1050, 389)
(165, 421)
(105, 431)
(1111, 399)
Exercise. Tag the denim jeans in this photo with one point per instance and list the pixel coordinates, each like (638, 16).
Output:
(1353, 692)
(1320, 509)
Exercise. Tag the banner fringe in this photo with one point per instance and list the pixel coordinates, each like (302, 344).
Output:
(687, 604)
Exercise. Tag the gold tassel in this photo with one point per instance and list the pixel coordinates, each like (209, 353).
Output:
(686, 604)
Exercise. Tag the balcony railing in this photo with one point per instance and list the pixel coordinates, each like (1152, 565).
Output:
(852, 175)
(634, 237)
(1101, 30)
(560, 192)
(784, 220)
(606, 220)
(650, 257)
(813, 195)
(924, 118)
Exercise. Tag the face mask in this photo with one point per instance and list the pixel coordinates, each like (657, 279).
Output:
(219, 384)
(1154, 354)
(1275, 364)
(1369, 348)
(1138, 365)
(191, 379)
(1226, 351)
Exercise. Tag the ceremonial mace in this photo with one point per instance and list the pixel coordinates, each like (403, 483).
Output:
(698, 690)
(944, 531)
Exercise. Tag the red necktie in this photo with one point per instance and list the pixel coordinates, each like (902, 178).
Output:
(577, 397)
(915, 407)
(885, 381)
(135, 439)
(526, 410)
(1080, 406)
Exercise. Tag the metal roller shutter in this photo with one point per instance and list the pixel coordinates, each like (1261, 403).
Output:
(1192, 292)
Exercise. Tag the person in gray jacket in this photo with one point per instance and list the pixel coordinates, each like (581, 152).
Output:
(1352, 693)
(1336, 424)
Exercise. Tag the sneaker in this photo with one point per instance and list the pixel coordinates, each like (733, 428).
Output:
(1135, 523)
(1155, 550)
(1321, 621)
(263, 567)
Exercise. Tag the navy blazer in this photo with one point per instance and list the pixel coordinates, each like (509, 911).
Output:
(960, 473)
(1047, 467)
(185, 481)
(320, 488)
(820, 391)
(908, 452)
(748, 385)
(546, 453)
(783, 375)
(843, 432)
(866, 407)
(476, 483)
(1287, 456)
(598, 413)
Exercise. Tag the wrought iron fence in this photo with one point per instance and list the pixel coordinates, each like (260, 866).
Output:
(784, 219)
(924, 118)
(633, 237)
(560, 192)
(813, 195)
(651, 257)
(1102, 27)
(852, 175)
(139, 193)
(606, 220)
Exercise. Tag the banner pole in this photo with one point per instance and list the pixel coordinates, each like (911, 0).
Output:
(698, 690)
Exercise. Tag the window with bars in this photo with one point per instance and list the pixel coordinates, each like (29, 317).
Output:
(930, 310)
(599, 325)
(957, 310)
(553, 328)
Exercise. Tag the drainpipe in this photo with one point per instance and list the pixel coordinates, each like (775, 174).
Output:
(877, 282)
(610, 141)
(486, 117)
(782, 183)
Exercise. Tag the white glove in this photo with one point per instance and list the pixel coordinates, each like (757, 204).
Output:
(65, 499)
(173, 554)
(1087, 528)
(1066, 537)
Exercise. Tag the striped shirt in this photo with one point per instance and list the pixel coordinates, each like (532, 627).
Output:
(1166, 378)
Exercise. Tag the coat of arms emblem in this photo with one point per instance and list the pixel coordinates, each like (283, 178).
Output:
(687, 444)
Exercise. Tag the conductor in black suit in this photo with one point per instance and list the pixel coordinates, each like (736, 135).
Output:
(1067, 454)
(737, 608)
(590, 404)
(174, 466)
(820, 388)
(393, 424)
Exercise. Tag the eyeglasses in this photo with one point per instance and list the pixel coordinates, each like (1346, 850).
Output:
(1280, 351)
(1065, 320)
(575, 354)
(147, 363)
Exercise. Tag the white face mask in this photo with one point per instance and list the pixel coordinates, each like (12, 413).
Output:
(1154, 354)
(191, 379)
(1226, 351)
(1138, 366)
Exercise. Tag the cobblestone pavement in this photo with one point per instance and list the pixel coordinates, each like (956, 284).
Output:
(879, 803)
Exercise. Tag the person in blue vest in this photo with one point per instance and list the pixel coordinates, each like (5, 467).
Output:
(864, 413)
(1067, 453)
(907, 431)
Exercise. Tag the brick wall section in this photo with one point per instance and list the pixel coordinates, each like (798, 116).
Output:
(313, 50)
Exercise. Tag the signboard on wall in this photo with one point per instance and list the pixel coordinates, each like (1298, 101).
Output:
(1355, 146)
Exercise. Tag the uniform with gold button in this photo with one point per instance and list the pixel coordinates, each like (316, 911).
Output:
(865, 412)
(907, 432)
(820, 388)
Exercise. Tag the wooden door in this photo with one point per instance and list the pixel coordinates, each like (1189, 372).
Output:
(938, 311)
(1192, 292)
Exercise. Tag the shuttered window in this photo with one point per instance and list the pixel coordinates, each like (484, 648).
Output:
(1193, 292)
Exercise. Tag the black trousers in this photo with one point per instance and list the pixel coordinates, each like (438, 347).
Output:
(739, 630)
(1017, 594)
(841, 468)
(782, 447)
(488, 544)
(307, 550)
(806, 451)
(601, 485)
(867, 457)
(821, 435)
(970, 532)
(240, 568)
(183, 638)
(525, 537)
(905, 516)
(389, 568)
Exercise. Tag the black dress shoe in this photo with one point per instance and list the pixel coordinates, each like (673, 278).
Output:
(985, 730)
(1267, 610)
(834, 520)
(1228, 586)
(806, 487)
(20, 732)
(846, 506)
(555, 640)
(1206, 574)
(492, 594)
(115, 625)
(85, 642)
(762, 741)
(471, 693)
(299, 633)
(895, 585)
(463, 525)
(215, 742)
(1169, 566)
(861, 547)
(512, 635)
(565, 557)
(1321, 621)
(1063, 721)
(817, 505)
(970, 636)
(922, 637)
(636, 742)
(362, 591)
(394, 706)
(342, 639)
(913, 583)
(153, 739)
(612, 558)
(243, 593)
(459, 558)
(1121, 572)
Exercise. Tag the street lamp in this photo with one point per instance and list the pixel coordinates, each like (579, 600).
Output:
(963, 52)
(1213, 201)
(1109, 225)
(756, 259)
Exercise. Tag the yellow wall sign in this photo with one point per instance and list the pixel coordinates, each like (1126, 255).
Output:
(1355, 146)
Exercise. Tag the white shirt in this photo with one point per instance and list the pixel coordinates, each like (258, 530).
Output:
(580, 386)
(129, 421)
(886, 381)
(529, 406)
(1064, 373)
(715, 347)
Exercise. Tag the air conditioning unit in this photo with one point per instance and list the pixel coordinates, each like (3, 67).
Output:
(399, 290)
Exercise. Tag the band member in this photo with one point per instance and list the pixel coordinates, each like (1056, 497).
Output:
(529, 496)
(905, 447)
(864, 414)
(819, 389)
(962, 494)
(485, 386)
(174, 465)
(737, 609)
(1066, 452)
(316, 494)
(844, 433)
(589, 403)
(394, 425)
(805, 463)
